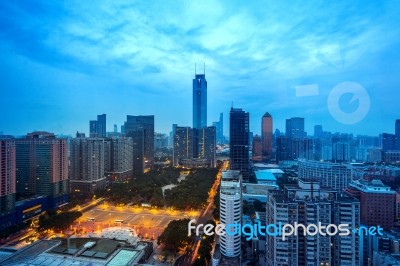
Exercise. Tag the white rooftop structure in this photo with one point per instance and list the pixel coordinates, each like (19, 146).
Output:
(118, 233)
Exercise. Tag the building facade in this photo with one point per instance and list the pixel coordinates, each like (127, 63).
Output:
(334, 175)
(87, 164)
(7, 178)
(309, 203)
(42, 166)
(377, 202)
(97, 128)
(295, 127)
(231, 211)
(183, 144)
(266, 135)
(118, 158)
(199, 101)
(239, 142)
(141, 130)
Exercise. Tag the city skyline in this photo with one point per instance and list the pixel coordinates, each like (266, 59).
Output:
(63, 65)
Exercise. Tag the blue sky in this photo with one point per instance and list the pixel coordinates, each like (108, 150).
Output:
(64, 62)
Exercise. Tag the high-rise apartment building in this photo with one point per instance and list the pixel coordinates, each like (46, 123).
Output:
(341, 152)
(231, 211)
(199, 101)
(7, 177)
(309, 203)
(266, 135)
(42, 167)
(377, 202)
(118, 158)
(87, 164)
(141, 129)
(239, 142)
(295, 127)
(97, 128)
(207, 145)
(334, 175)
(183, 144)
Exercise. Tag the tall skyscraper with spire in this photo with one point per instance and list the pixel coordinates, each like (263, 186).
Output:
(199, 101)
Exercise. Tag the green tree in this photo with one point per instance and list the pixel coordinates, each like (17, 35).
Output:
(175, 236)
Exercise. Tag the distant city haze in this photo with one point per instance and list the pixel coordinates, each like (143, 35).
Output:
(63, 63)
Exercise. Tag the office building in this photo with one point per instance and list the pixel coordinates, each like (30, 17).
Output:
(87, 164)
(141, 130)
(42, 167)
(183, 144)
(97, 128)
(334, 175)
(257, 149)
(230, 211)
(7, 181)
(388, 141)
(160, 141)
(295, 127)
(310, 203)
(199, 101)
(301, 148)
(219, 126)
(266, 135)
(239, 142)
(283, 151)
(377, 202)
(118, 158)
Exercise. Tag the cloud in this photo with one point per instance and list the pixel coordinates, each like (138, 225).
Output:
(250, 48)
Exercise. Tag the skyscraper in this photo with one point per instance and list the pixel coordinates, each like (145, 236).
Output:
(141, 129)
(219, 126)
(118, 158)
(295, 127)
(318, 131)
(388, 141)
(7, 179)
(231, 210)
(42, 166)
(93, 129)
(256, 148)
(97, 128)
(183, 144)
(266, 134)
(87, 164)
(199, 101)
(239, 142)
(207, 144)
(101, 125)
